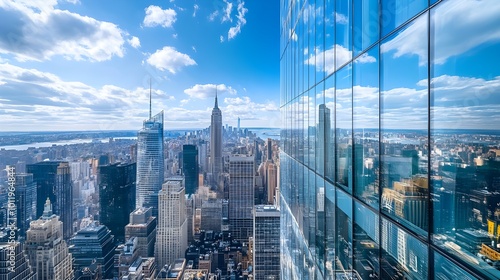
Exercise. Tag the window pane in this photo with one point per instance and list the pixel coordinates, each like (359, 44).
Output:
(343, 137)
(366, 127)
(327, 113)
(366, 27)
(404, 126)
(366, 242)
(465, 132)
(330, 230)
(397, 12)
(343, 28)
(343, 212)
(403, 256)
(446, 270)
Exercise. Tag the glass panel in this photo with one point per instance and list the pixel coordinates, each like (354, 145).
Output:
(403, 256)
(366, 127)
(327, 112)
(366, 27)
(320, 38)
(329, 50)
(366, 242)
(343, 212)
(343, 137)
(322, 129)
(343, 32)
(404, 126)
(330, 231)
(465, 132)
(446, 270)
(320, 223)
(311, 108)
(397, 12)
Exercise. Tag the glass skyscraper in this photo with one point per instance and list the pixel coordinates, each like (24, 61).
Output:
(390, 160)
(150, 164)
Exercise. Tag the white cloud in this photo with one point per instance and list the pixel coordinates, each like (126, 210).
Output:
(227, 12)
(169, 59)
(235, 30)
(193, 48)
(195, 9)
(134, 42)
(157, 16)
(208, 90)
(35, 30)
(341, 19)
(324, 60)
(52, 103)
(174, 35)
(221, 39)
(213, 15)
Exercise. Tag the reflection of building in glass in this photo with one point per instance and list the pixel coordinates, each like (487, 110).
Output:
(396, 141)
(150, 162)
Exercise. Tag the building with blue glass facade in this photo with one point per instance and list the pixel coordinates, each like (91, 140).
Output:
(390, 157)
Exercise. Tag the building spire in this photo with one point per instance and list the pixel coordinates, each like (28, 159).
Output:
(216, 105)
(149, 97)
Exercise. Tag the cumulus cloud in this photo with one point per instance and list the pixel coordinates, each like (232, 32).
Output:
(169, 59)
(195, 9)
(157, 16)
(50, 102)
(235, 30)
(324, 60)
(36, 30)
(208, 90)
(134, 42)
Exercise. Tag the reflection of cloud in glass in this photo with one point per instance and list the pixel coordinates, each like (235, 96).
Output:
(456, 22)
(409, 41)
(343, 55)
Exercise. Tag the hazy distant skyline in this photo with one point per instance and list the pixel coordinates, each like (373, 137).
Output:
(86, 65)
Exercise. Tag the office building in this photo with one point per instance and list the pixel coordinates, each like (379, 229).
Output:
(216, 164)
(266, 242)
(25, 202)
(53, 181)
(211, 215)
(241, 196)
(272, 182)
(116, 196)
(171, 234)
(389, 153)
(46, 249)
(190, 168)
(93, 245)
(13, 263)
(142, 225)
(150, 164)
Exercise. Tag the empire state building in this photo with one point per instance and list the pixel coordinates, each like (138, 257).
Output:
(216, 143)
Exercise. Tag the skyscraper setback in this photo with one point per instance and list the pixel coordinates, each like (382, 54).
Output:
(150, 165)
(216, 143)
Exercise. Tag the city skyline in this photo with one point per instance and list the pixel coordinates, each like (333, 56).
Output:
(60, 80)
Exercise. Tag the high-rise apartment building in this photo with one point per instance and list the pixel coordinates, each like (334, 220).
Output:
(93, 245)
(25, 202)
(150, 164)
(266, 242)
(171, 234)
(53, 181)
(13, 263)
(142, 224)
(241, 196)
(390, 152)
(116, 196)
(190, 168)
(46, 249)
(216, 144)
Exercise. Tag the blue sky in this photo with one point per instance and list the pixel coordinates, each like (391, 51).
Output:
(86, 65)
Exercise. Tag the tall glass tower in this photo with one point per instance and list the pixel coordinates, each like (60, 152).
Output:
(216, 143)
(150, 165)
(390, 159)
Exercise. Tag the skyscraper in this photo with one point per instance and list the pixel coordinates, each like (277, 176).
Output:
(14, 264)
(142, 225)
(216, 143)
(116, 196)
(389, 152)
(93, 244)
(266, 239)
(150, 164)
(46, 249)
(25, 202)
(190, 168)
(171, 234)
(53, 181)
(241, 196)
